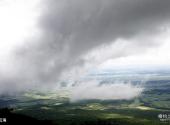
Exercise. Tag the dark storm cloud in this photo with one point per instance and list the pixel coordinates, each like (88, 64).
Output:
(72, 28)
(84, 24)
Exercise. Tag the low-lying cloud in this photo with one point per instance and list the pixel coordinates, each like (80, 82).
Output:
(115, 91)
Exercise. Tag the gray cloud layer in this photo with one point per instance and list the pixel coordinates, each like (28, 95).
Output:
(72, 28)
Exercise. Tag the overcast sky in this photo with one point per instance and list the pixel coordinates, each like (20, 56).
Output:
(43, 41)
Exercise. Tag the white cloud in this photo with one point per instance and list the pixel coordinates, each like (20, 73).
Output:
(93, 90)
(18, 20)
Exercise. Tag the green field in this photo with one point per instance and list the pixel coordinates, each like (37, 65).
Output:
(56, 107)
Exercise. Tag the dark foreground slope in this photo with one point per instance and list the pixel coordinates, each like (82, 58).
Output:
(9, 118)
